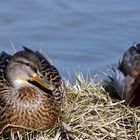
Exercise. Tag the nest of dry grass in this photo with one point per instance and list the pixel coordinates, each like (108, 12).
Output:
(88, 113)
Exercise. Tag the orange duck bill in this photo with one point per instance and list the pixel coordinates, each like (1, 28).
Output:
(42, 82)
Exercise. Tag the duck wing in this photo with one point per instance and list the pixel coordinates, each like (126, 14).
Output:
(123, 86)
(5, 88)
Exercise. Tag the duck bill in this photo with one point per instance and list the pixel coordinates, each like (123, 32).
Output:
(43, 83)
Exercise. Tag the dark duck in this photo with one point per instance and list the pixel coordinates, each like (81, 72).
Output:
(126, 79)
(30, 92)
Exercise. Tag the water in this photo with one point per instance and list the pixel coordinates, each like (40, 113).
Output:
(78, 35)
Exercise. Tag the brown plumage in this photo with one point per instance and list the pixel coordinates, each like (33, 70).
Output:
(30, 92)
(126, 80)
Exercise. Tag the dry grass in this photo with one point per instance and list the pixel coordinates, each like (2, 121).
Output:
(88, 113)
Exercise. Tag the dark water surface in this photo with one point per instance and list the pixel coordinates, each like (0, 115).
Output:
(78, 35)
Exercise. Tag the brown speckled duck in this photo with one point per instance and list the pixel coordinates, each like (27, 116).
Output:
(127, 77)
(30, 92)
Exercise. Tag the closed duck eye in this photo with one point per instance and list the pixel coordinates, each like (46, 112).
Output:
(27, 64)
(31, 66)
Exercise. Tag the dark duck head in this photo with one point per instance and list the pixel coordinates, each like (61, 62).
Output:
(126, 80)
(31, 92)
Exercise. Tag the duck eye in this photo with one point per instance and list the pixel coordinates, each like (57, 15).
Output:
(27, 64)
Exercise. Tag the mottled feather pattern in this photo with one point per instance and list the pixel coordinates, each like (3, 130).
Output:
(29, 113)
(29, 108)
(5, 88)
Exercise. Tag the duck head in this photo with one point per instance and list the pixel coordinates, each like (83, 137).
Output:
(24, 68)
